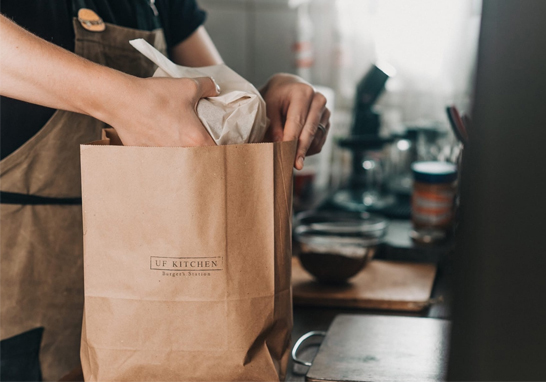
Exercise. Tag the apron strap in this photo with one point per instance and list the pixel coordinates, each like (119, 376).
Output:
(25, 199)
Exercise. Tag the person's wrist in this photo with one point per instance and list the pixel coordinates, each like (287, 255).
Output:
(113, 94)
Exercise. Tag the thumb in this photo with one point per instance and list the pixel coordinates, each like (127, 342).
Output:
(207, 87)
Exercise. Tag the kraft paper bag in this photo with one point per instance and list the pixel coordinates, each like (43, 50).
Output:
(237, 115)
(187, 262)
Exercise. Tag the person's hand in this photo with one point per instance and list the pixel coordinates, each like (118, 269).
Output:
(295, 111)
(163, 112)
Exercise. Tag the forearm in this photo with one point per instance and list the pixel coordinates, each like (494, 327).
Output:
(196, 50)
(36, 71)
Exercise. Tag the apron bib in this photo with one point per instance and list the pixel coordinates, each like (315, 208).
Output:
(41, 251)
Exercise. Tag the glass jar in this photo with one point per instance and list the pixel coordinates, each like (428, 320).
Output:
(432, 205)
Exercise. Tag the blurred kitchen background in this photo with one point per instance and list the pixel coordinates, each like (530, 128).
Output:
(426, 52)
(399, 77)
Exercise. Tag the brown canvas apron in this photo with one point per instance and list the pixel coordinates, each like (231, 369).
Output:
(41, 259)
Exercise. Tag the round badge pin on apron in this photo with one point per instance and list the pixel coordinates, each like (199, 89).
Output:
(90, 20)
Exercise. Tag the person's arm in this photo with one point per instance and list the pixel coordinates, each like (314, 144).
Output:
(145, 112)
(197, 50)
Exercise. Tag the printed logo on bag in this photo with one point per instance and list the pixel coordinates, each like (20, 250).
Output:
(186, 266)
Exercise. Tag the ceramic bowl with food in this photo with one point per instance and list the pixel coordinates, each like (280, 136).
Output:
(335, 246)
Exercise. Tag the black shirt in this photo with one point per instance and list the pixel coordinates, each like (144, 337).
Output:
(52, 21)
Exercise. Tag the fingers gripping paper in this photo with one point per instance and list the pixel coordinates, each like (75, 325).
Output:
(187, 262)
(237, 115)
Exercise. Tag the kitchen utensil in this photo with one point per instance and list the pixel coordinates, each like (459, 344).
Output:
(457, 124)
(467, 121)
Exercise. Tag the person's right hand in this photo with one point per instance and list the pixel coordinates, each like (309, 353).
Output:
(163, 112)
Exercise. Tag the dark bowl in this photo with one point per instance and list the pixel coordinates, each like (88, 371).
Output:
(336, 246)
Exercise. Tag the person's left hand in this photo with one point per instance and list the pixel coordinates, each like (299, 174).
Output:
(295, 111)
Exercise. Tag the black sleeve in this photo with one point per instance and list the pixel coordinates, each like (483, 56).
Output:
(180, 19)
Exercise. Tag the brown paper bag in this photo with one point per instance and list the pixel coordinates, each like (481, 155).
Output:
(187, 262)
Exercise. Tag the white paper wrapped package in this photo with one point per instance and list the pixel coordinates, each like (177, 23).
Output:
(237, 115)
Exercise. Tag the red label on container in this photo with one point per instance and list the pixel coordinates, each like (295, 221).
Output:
(432, 209)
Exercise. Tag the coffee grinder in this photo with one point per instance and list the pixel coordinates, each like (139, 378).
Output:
(366, 188)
